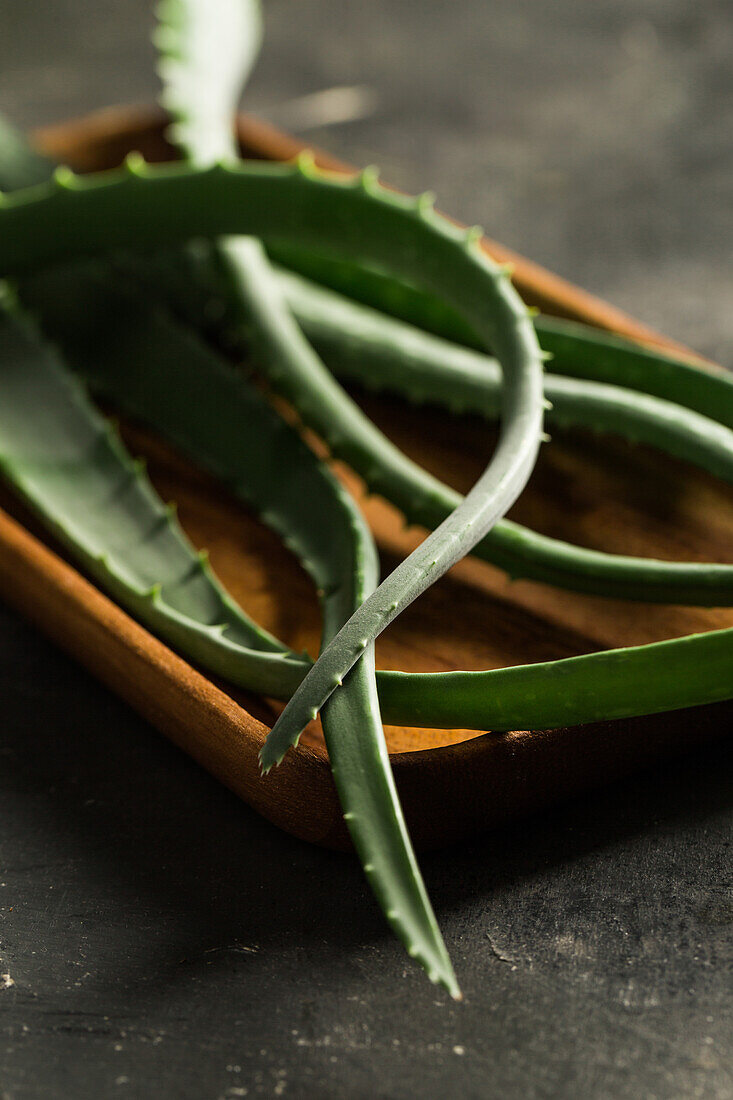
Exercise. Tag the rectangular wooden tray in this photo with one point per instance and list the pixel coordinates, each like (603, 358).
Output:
(453, 783)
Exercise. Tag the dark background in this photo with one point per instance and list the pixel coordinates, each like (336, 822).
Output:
(156, 937)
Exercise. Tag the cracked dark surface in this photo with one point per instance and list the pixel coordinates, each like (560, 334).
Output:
(159, 938)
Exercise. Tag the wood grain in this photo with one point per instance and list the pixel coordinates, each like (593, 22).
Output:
(588, 490)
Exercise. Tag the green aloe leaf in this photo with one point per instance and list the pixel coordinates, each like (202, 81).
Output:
(68, 463)
(369, 346)
(32, 468)
(576, 349)
(161, 205)
(207, 51)
(155, 371)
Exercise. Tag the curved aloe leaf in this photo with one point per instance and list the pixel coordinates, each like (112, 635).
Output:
(382, 351)
(521, 552)
(576, 349)
(320, 402)
(146, 205)
(63, 457)
(21, 463)
(157, 372)
(379, 352)
(140, 341)
(202, 70)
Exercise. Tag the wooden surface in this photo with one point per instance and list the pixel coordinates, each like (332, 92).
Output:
(453, 783)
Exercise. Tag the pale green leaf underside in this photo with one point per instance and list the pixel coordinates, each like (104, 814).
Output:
(206, 51)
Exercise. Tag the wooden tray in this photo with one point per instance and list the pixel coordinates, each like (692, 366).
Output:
(453, 783)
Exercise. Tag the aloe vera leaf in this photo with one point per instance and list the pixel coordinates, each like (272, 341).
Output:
(371, 348)
(376, 349)
(707, 389)
(351, 718)
(319, 401)
(594, 687)
(58, 453)
(350, 333)
(616, 683)
(182, 388)
(597, 687)
(185, 67)
(127, 539)
(577, 350)
(380, 352)
(497, 705)
(207, 52)
(296, 371)
(68, 464)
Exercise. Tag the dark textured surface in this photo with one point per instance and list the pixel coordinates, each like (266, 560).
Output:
(156, 937)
